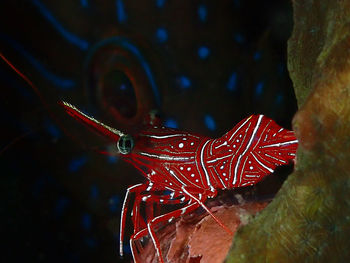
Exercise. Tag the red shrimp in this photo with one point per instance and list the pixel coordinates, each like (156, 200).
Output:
(186, 168)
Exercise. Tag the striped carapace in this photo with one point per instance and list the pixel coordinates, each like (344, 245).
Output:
(187, 168)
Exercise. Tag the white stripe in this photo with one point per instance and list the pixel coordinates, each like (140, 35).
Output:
(239, 128)
(167, 157)
(279, 144)
(219, 158)
(246, 149)
(251, 175)
(168, 136)
(203, 166)
(283, 161)
(173, 174)
(223, 144)
(164, 136)
(263, 165)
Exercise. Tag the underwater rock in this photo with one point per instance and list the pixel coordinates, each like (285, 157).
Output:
(198, 238)
(309, 219)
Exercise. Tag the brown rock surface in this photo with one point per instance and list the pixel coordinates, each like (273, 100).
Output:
(198, 238)
(309, 219)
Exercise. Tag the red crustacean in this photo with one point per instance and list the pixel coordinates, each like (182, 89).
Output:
(186, 168)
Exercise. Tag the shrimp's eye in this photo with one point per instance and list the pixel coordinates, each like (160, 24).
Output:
(125, 144)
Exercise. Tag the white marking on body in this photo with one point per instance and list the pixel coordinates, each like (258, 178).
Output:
(219, 158)
(174, 174)
(181, 145)
(188, 168)
(251, 175)
(246, 149)
(263, 165)
(192, 175)
(233, 134)
(251, 167)
(204, 168)
(223, 144)
(222, 182)
(283, 161)
(280, 144)
(149, 186)
(144, 198)
(163, 136)
(181, 168)
(166, 157)
(192, 143)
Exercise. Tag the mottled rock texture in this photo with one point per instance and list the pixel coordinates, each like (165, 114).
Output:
(309, 219)
(198, 238)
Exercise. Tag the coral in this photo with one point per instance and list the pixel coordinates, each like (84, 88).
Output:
(309, 219)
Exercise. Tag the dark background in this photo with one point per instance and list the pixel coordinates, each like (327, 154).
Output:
(212, 63)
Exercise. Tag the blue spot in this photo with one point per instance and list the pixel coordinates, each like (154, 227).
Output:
(257, 55)
(279, 99)
(94, 192)
(123, 87)
(160, 3)
(210, 122)
(203, 52)
(86, 221)
(171, 123)
(259, 89)
(75, 40)
(232, 82)
(77, 163)
(162, 35)
(112, 159)
(121, 14)
(114, 203)
(52, 129)
(90, 242)
(57, 81)
(202, 13)
(239, 38)
(84, 3)
(61, 206)
(184, 82)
